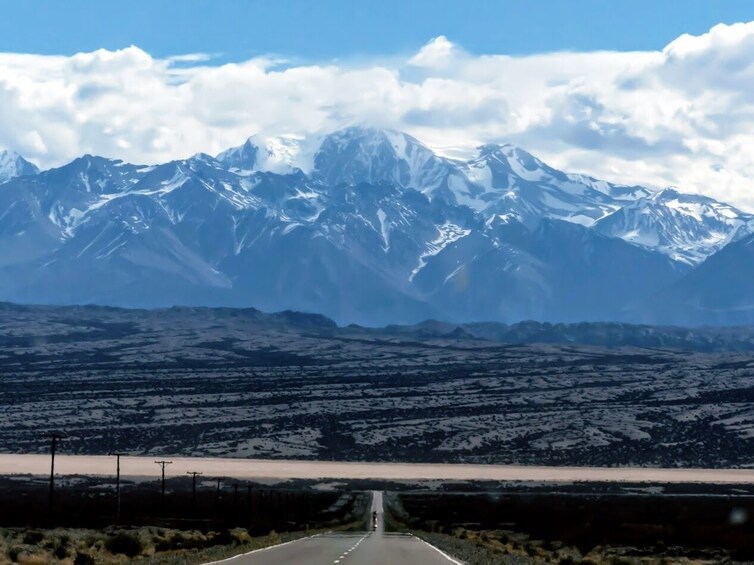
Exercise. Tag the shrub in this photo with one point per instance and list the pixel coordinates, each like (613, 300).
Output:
(33, 537)
(180, 540)
(61, 551)
(240, 536)
(13, 552)
(221, 538)
(128, 544)
(83, 559)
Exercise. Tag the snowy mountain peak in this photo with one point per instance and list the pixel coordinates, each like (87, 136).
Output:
(686, 227)
(512, 155)
(202, 159)
(91, 174)
(667, 193)
(242, 158)
(12, 165)
(359, 154)
(281, 155)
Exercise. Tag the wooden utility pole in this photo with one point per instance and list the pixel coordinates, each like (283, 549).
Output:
(53, 448)
(193, 487)
(162, 464)
(217, 492)
(117, 484)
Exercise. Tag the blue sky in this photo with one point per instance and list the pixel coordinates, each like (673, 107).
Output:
(326, 29)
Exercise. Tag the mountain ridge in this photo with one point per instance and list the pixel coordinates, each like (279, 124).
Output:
(444, 334)
(377, 229)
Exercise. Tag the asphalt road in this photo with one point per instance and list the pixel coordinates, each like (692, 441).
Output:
(357, 548)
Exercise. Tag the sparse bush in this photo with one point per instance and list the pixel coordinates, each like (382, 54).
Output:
(240, 536)
(129, 545)
(180, 540)
(83, 559)
(13, 552)
(220, 538)
(61, 551)
(622, 560)
(91, 540)
(33, 537)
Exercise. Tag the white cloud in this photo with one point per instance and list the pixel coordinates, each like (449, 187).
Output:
(682, 116)
(436, 54)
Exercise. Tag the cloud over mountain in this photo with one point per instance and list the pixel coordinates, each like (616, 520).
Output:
(679, 116)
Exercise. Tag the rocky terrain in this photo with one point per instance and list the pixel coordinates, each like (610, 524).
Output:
(245, 384)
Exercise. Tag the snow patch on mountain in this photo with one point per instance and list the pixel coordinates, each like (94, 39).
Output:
(384, 229)
(447, 233)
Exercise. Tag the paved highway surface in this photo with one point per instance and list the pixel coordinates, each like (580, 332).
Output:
(357, 548)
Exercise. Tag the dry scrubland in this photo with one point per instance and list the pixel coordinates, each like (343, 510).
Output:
(236, 383)
(180, 529)
(158, 546)
(599, 529)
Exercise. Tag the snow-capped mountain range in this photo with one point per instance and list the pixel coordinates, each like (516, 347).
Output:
(364, 225)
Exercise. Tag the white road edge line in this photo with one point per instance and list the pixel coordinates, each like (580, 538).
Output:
(262, 549)
(440, 551)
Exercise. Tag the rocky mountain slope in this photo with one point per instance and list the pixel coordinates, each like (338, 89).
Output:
(363, 225)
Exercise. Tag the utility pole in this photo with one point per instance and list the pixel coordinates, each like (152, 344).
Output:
(117, 484)
(235, 503)
(53, 448)
(193, 487)
(217, 492)
(162, 464)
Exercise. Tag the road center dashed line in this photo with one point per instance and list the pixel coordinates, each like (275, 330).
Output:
(352, 548)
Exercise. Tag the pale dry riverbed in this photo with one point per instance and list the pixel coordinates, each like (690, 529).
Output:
(34, 464)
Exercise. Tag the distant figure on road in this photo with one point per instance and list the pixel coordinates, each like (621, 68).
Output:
(374, 520)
